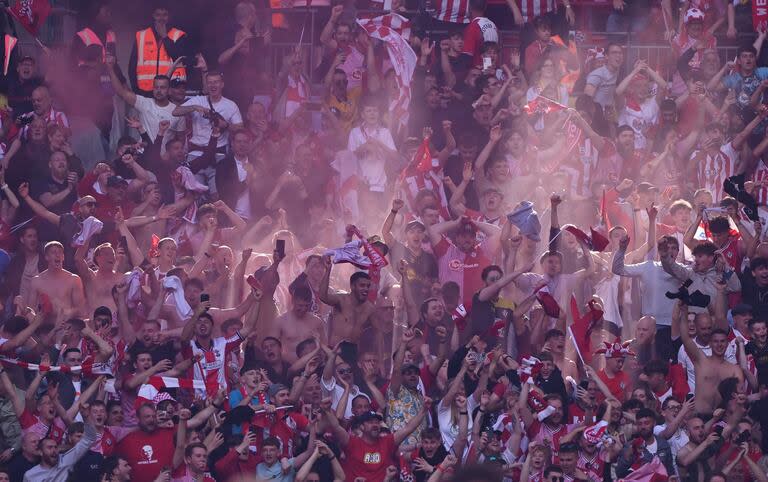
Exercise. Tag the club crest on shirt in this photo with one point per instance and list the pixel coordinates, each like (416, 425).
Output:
(372, 458)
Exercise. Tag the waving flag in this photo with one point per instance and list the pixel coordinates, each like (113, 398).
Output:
(31, 14)
(150, 392)
(760, 14)
(9, 43)
(582, 327)
(653, 471)
(395, 21)
(547, 301)
(403, 60)
(594, 241)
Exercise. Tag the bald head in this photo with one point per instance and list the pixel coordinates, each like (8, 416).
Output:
(704, 325)
(645, 330)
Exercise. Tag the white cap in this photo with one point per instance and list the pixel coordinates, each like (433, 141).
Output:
(694, 14)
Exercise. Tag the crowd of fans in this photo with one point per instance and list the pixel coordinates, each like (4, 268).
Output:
(421, 249)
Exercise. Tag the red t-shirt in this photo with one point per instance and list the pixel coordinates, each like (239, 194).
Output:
(31, 422)
(463, 268)
(617, 385)
(480, 30)
(369, 461)
(147, 453)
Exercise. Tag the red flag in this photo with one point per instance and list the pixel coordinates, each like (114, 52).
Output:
(31, 14)
(573, 134)
(10, 43)
(548, 302)
(423, 158)
(542, 105)
(604, 214)
(650, 472)
(760, 15)
(581, 329)
(595, 241)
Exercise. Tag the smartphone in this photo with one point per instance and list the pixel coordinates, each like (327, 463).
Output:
(689, 396)
(487, 63)
(280, 247)
(111, 49)
(205, 297)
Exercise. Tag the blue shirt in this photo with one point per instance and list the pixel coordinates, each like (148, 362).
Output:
(745, 86)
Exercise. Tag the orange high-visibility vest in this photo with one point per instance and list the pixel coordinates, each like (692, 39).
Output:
(152, 61)
(89, 37)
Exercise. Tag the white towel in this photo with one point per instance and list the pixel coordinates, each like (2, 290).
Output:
(182, 307)
(90, 227)
(134, 287)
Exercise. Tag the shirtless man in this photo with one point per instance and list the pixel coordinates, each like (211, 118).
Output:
(99, 283)
(63, 289)
(351, 311)
(709, 370)
(298, 324)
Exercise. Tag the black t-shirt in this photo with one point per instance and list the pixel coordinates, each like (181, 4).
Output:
(754, 295)
(484, 316)
(760, 355)
(422, 269)
(159, 353)
(439, 455)
(18, 466)
(51, 185)
(88, 467)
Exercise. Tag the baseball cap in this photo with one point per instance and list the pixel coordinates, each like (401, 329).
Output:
(274, 388)
(116, 181)
(646, 187)
(178, 82)
(367, 417)
(694, 14)
(87, 199)
(742, 309)
(409, 366)
(415, 224)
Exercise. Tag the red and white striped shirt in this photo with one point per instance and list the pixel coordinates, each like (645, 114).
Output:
(534, 8)
(454, 11)
(761, 190)
(714, 170)
(211, 367)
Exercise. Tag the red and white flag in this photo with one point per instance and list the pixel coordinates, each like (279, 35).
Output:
(31, 14)
(8, 45)
(542, 105)
(395, 21)
(653, 471)
(403, 60)
(151, 391)
(760, 14)
(581, 329)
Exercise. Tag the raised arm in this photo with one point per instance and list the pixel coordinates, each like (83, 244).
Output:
(436, 231)
(413, 423)
(105, 350)
(120, 89)
(679, 319)
(493, 139)
(386, 228)
(37, 208)
(10, 346)
(181, 435)
(330, 299)
(339, 432)
(456, 202)
(490, 292)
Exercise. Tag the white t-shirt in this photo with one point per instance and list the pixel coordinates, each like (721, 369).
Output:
(243, 206)
(677, 441)
(201, 127)
(641, 121)
(371, 164)
(150, 115)
(448, 430)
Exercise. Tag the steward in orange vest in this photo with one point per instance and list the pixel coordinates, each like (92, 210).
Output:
(154, 50)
